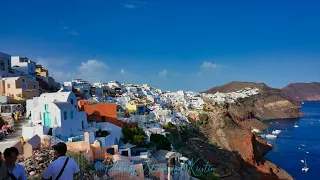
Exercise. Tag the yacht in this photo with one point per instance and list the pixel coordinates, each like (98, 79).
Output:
(276, 132)
(305, 169)
(302, 102)
(295, 125)
(270, 136)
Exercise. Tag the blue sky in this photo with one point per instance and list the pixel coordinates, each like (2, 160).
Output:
(172, 44)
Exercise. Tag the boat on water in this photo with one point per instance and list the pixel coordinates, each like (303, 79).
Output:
(271, 136)
(295, 125)
(302, 102)
(303, 145)
(305, 169)
(276, 132)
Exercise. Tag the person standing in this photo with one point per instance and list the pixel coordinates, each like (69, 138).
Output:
(3, 169)
(63, 168)
(15, 171)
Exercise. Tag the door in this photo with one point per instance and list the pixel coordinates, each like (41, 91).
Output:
(47, 119)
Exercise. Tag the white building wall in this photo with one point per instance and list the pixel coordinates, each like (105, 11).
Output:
(25, 67)
(29, 132)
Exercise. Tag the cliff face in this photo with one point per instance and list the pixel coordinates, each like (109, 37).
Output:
(270, 103)
(303, 91)
(235, 136)
(239, 153)
(229, 146)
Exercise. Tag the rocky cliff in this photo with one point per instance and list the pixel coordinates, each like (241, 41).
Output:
(303, 91)
(270, 103)
(228, 145)
(238, 153)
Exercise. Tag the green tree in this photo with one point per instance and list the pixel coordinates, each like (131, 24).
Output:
(134, 135)
(170, 126)
(161, 142)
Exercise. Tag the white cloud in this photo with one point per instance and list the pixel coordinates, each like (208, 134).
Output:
(208, 64)
(163, 73)
(122, 71)
(129, 6)
(92, 70)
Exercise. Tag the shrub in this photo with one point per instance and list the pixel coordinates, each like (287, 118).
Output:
(134, 135)
(204, 118)
(82, 162)
(170, 126)
(161, 142)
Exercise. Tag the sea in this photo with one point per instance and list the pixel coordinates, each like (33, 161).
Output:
(298, 143)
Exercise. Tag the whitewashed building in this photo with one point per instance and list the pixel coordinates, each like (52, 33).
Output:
(24, 65)
(55, 114)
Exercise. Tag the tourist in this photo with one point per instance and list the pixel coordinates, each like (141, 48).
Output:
(4, 130)
(12, 115)
(3, 169)
(63, 168)
(15, 171)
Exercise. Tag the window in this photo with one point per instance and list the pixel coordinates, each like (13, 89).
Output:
(8, 85)
(24, 86)
(65, 115)
(71, 114)
(34, 87)
(46, 107)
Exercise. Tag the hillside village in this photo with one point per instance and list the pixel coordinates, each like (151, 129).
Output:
(102, 120)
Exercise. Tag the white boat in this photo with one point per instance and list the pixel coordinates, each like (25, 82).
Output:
(305, 169)
(302, 102)
(271, 136)
(276, 132)
(302, 145)
(295, 125)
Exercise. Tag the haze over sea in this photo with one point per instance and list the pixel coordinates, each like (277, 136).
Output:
(286, 153)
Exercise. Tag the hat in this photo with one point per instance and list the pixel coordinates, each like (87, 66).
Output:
(60, 147)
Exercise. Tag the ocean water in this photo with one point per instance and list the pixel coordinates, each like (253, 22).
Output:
(286, 153)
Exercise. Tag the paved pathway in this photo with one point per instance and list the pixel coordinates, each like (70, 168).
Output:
(12, 138)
